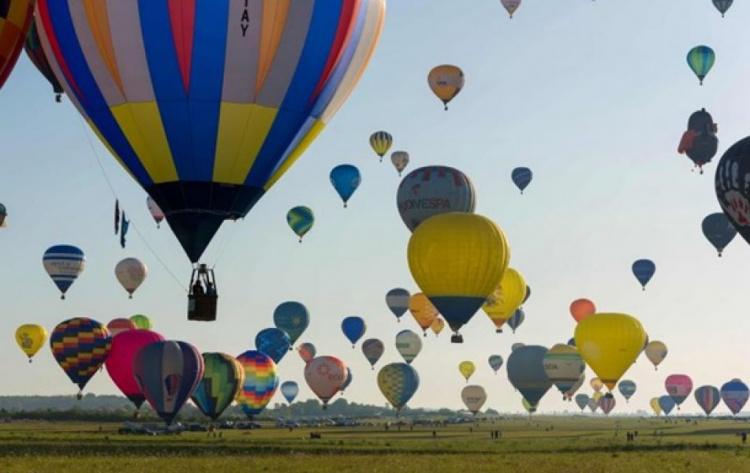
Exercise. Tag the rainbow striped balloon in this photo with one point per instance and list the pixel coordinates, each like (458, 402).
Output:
(261, 382)
(80, 346)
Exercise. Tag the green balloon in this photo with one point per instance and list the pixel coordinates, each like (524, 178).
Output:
(142, 322)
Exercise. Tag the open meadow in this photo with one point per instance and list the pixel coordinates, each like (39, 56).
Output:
(579, 444)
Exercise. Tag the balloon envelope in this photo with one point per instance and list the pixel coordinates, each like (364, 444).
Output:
(208, 104)
(381, 142)
(373, 349)
(607, 403)
(708, 398)
(723, 6)
(522, 178)
(120, 325)
(466, 368)
(408, 345)
(473, 397)
(433, 190)
(293, 318)
(274, 342)
(300, 219)
(34, 51)
(156, 213)
(64, 263)
(398, 382)
(734, 394)
(582, 308)
(627, 388)
(353, 328)
(679, 387)
(142, 321)
(516, 319)
(423, 311)
(400, 159)
(80, 346)
(656, 352)
(325, 375)
(307, 352)
(437, 325)
(596, 384)
(718, 231)
(131, 272)
(643, 270)
(511, 6)
(564, 366)
(701, 59)
(16, 16)
(446, 82)
(345, 179)
(222, 380)
(31, 338)
(666, 403)
(654, 403)
(734, 197)
(582, 400)
(260, 384)
(496, 362)
(120, 362)
(167, 372)
(289, 389)
(397, 301)
(506, 298)
(526, 372)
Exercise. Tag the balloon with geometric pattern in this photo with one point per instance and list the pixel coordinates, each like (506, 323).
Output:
(300, 220)
(80, 346)
(260, 384)
(223, 377)
(398, 382)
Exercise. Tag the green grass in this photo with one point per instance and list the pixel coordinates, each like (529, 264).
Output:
(544, 444)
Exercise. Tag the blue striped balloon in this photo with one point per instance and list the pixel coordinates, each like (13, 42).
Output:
(627, 388)
(522, 178)
(64, 263)
(644, 270)
(289, 389)
(735, 394)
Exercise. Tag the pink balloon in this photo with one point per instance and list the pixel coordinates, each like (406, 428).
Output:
(119, 363)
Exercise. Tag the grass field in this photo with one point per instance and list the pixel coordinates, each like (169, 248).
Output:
(544, 444)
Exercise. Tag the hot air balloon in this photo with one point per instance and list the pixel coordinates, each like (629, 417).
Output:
(289, 389)
(347, 381)
(400, 160)
(373, 349)
(423, 311)
(570, 392)
(607, 403)
(437, 325)
(699, 142)
(572, 342)
(582, 308)
(398, 382)
(644, 270)
(496, 362)
(397, 301)
(593, 404)
(521, 178)
(701, 59)
(582, 400)
(307, 352)
(167, 372)
(466, 368)
(563, 366)
(516, 346)
(667, 404)
(526, 372)
(723, 5)
(597, 395)
(731, 174)
(458, 260)
(473, 397)
(596, 384)
(718, 231)
(63, 263)
(353, 328)
(31, 338)
(222, 380)
(381, 142)
(609, 344)
(293, 318)
(654, 403)
(446, 82)
(300, 220)
(679, 387)
(656, 351)
(345, 179)
(34, 51)
(120, 325)
(156, 213)
(528, 406)
(408, 345)
(80, 346)
(207, 113)
(261, 382)
(516, 319)
(131, 273)
(3, 215)
(16, 16)
(735, 394)
(273, 342)
(120, 361)
(505, 299)
(433, 190)
(707, 397)
(142, 322)
(627, 388)
(511, 6)
(326, 376)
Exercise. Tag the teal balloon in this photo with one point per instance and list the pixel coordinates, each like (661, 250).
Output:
(582, 400)
(300, 220)
(526, 372)
(353, 328)
(701, 59)
(667, 404)
(345, 179)
(273, 342)
(398, 382)
(627, 388)
(496, 362)
(289, 389)
(516, 319)
(293, 318)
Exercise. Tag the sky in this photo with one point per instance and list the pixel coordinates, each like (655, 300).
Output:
(592, 96)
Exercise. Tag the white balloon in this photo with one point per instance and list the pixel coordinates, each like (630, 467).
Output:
(131, 273)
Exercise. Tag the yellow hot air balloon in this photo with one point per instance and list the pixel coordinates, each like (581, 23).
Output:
(655, 405)
(422, 310)
(467, 369)
(458, 259)
(656, 352)
(437, 325)
(505, 299)
(31, 337)
(596, 384)
(446, 82)
(596, 396)
(609, 344)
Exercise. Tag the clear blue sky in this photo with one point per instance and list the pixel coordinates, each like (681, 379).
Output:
(593, 96)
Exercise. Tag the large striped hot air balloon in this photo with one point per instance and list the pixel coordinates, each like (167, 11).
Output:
(208, 103)
(64, 263)
(222, 380)
(80, 346)
(261, 382)
(15, 20)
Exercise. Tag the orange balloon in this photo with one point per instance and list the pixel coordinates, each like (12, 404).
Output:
(422, 310)
(582, 308)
